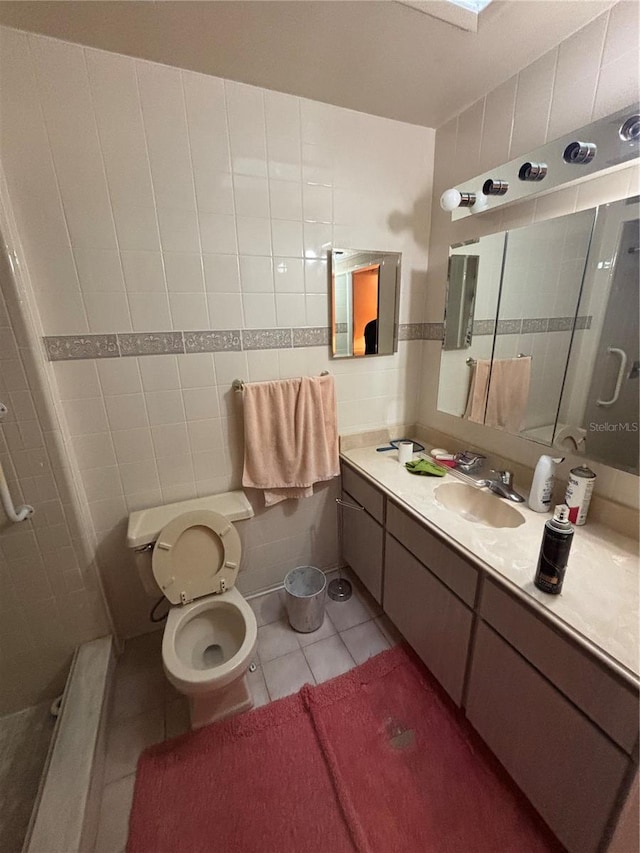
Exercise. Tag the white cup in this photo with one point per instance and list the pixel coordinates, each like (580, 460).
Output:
(405, 452)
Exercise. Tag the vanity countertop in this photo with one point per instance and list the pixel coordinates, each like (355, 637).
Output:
(599, 599)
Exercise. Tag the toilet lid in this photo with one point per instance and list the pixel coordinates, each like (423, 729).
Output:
(196, 554)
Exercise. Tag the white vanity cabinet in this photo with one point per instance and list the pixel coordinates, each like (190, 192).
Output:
(430, 617)
(362, 530)
(560, 719)
(429, 593)
(563, 724)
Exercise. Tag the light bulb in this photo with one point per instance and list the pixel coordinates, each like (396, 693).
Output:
(450, 199)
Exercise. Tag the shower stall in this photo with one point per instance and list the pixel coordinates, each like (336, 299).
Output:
(52, 607)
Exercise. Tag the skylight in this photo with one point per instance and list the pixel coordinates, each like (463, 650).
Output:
(475, 6)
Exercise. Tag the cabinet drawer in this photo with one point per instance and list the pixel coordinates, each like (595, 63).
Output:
(567, 768)
(364, 493)
(362, 547)
(608, 701)
(443, 561)
(431, 618)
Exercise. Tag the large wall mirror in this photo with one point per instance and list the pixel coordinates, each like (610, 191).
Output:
(365, 298)
(550, 343)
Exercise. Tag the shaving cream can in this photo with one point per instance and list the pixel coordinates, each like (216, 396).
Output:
(578, 494)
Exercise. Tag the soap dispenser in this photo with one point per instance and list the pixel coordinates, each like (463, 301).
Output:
(542, 485)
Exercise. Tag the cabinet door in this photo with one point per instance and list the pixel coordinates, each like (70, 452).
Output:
(431, 618)
(362, 540)
(568, 769)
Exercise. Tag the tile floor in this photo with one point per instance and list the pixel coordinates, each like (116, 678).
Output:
(146, 708)
(25, 738)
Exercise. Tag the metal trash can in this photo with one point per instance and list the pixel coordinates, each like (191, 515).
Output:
(306, 592)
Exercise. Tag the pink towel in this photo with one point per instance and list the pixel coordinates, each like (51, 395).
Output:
(499, 393)
(290, 436)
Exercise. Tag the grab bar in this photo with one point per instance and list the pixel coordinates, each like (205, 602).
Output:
(13, 514)
(616, 391)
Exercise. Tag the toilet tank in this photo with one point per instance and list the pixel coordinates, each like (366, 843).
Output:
(146, 524)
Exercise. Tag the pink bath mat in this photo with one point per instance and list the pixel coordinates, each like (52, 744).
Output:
(374, 761)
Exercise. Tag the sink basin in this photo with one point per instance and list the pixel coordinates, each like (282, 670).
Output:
(478, 506)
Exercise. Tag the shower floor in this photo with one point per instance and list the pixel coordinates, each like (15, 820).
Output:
(24, 743)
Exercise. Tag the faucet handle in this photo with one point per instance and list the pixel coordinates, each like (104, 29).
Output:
(468, 461)
(506, 477)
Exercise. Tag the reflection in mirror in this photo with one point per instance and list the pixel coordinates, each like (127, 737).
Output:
(365, 296)
(455, 370)
(529, 282)
(542, 277)
(554, 351)
(461, 296)
(599, 410)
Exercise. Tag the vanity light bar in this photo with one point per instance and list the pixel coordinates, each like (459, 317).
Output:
(493, 186)
(579, 152)
(612, 142)
(533, 171)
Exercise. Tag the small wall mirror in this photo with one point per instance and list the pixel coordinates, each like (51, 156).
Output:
(365, 298)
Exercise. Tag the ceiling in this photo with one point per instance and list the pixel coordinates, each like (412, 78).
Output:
(375, 56)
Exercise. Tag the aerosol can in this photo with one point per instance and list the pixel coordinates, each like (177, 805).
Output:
(554, 551)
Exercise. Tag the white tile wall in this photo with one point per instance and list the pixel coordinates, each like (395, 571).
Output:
(199, 203)
(171, 165)
(586, 77)
(50, 599)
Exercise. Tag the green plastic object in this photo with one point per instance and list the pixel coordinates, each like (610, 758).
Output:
(426, 468)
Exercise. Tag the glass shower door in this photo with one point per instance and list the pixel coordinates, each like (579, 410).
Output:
(612, 403)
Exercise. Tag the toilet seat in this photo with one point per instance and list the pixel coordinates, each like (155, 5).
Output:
(179, 629)
(196, 554)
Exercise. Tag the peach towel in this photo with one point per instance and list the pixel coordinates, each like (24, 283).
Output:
(499, 393)
(290, 436)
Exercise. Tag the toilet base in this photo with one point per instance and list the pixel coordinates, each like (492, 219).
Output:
(211, 707)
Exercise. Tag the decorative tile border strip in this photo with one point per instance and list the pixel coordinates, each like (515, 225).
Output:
(433, 331)
(534, 325)
(318, 337)
(484, 327)
(583, 323)
(530, 326)
(73, 347)
(266, 339)
(68, 347)
(151, 343)
(410, 331)
(509, 327)
(560, 324)
(420, 331)
(225, 341)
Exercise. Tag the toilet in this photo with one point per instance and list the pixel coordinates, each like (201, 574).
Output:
(190, 552)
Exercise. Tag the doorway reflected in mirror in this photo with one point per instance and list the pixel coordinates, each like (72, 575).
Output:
(365, 295)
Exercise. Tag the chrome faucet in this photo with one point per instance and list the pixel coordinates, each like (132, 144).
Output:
(467, 461)
(475, 465)
(503, 486)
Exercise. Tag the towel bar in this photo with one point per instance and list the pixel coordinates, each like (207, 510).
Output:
(471, 361)
(238, 384)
